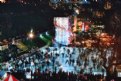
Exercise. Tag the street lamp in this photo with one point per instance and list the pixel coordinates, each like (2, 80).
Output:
(31, 34)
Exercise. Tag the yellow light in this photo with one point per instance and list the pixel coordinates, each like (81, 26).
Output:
(31, 35)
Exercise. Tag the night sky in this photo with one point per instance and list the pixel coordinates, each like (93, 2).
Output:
(17, 17)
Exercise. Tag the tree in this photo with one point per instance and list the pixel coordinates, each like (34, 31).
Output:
(113, 26)
(115, 29)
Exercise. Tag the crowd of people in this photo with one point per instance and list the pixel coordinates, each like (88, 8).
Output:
(62, 63)
(52, 76)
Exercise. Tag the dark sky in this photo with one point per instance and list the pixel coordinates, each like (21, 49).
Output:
(17, 19)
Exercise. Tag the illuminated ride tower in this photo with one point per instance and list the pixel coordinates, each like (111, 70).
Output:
(63, 31)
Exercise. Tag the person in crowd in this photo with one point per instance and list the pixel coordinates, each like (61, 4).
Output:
(44, 65)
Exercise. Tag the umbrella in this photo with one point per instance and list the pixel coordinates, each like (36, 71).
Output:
(2, 73)
(10, 78)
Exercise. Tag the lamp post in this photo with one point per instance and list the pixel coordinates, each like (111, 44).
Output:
(31, 34)
(31, 37)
